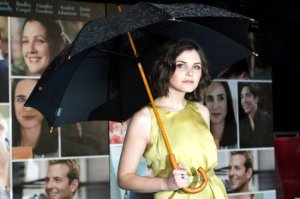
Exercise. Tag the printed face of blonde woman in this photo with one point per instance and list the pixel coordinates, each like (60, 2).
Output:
(26, 116)
(188, 72)
(216, 102)
(35, 47)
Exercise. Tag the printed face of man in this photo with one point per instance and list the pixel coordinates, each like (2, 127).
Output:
(238, 175)
(57, 182)
(248, 101)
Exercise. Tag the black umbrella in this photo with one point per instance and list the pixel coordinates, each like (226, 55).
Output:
(102, 69)
(96, 78)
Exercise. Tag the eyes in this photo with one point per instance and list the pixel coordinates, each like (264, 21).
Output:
(21, 99)
(56, 180)
(219, 98)
(246, 95)
(36, 40)
(237, 168)
(183, 65)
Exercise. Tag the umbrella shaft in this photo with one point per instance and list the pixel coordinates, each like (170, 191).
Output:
(163, 132)
(142, 73)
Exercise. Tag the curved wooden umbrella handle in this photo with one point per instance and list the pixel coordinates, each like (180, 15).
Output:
(202, 172)
(201, 186)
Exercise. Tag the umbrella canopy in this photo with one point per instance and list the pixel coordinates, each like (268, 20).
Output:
(96, 77)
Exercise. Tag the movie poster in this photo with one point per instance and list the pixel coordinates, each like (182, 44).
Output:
(32, 34)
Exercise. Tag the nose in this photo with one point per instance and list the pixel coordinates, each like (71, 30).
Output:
(49, 184)
(31, 47)
(214, 104)
(243, 100)
(230, 172)
(26, 108)
(189, 72)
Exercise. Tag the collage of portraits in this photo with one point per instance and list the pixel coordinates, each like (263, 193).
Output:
(30, 154)
(239, 102)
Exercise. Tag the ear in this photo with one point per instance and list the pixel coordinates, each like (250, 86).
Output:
(74, 185)
(249, 173)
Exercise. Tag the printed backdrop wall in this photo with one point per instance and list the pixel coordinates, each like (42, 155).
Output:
(25, 52)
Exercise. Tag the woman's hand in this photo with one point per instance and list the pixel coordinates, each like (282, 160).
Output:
(177, 179)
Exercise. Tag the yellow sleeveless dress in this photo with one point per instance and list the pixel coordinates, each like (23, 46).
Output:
(193, 146)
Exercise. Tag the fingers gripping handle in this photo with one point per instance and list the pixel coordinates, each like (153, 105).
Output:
(191, 190)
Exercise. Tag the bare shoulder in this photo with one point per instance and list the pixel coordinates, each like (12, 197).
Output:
(203, 110)
(142, 116)
(140, 124)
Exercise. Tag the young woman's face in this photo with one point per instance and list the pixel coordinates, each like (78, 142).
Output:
(26, 116)
(216, 102)
(35, 47)
(188, 72)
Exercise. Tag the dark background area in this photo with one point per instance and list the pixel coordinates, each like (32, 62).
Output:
(277, 41)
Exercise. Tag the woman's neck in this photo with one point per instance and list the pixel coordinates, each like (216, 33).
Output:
(172, 103)
(217, 130)
(30, 136)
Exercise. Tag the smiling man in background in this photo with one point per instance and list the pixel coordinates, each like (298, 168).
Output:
(240, 170)
(62, 179)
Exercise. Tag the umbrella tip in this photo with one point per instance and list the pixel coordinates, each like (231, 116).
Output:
(251, 20)
(255, 54)
(51, 129)
(119, 7)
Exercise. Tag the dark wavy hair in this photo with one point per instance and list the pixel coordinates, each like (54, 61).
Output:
(253, 87)
(55, 33)
(47, 143)
(230, 130)
(165, 66)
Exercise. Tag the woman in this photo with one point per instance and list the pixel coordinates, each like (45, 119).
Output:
(42, 40)
(218, 100)
(29, 127)
(179, 77)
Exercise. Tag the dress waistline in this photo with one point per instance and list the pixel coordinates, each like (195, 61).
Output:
(197, 178)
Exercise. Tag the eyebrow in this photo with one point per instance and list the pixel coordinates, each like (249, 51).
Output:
(21, 95)
(186, 62)
(26, 37)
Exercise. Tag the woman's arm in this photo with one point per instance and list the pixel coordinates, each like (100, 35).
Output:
(135, 143)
